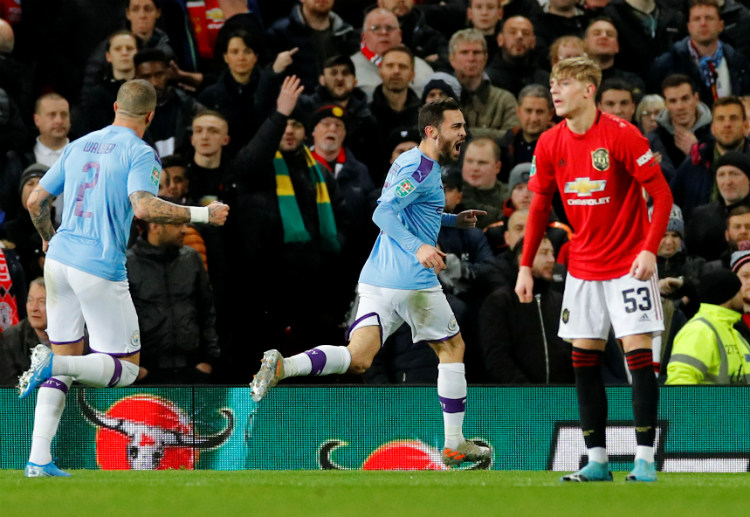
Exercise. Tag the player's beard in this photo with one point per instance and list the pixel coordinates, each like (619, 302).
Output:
(446, 150)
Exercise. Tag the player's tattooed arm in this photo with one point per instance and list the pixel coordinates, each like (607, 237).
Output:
(39, 204)
(150, 208)
(154, 210)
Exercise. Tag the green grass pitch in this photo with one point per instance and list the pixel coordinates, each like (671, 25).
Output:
(359, 493)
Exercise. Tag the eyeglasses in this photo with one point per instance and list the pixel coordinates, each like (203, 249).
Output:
(651, 113)
(382, 28)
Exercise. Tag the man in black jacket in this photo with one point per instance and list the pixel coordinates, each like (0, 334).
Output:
(289, 234)
(519, 341)
(175, 306)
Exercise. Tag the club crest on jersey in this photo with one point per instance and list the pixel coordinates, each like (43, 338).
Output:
(405, 188)
(155, 175)
(600, 159)
(584, 186)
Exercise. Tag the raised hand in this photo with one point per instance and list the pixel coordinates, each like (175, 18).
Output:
(283, 60)
(290, 92)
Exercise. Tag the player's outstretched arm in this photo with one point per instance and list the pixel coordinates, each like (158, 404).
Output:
(468, 218)
(150, 208)
(525, 285)
(38, 204)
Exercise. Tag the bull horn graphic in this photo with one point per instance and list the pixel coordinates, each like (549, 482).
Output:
(325, 452)
(148, 456)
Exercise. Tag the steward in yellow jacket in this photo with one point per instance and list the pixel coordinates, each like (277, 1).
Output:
(709, 349)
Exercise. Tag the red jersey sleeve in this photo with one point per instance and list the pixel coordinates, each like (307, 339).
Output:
(542, 173)
(640, 161)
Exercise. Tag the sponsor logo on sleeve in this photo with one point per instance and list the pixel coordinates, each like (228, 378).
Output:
(155, 175)
(532, 170)
(644, 158)
(405, 188)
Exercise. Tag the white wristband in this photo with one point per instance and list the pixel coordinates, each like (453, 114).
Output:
(198, 214)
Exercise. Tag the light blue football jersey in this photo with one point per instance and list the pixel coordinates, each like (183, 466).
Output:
(409, 214)
(96, 174)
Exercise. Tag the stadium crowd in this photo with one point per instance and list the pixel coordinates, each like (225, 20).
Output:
(303, 178)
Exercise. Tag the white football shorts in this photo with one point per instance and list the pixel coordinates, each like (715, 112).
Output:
(426, 311)
(631, 306)
(76, 298)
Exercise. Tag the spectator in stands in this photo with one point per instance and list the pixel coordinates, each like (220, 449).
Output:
(560, 18)
(17, 341)
(502, 269)
(381, 32)
(737, 230)
(356, 190)
(318, 33)
(647, 111)
(693, 182)
(424, 41)
(710, 349)
(488, 110)
(740, 264)
(142, 16)
(615, 96)
(100, 92)
(703, 235)
(52, 121)
(715, 66)
(683, 123)
(602, 47)
(678, 271)
(535, 112)
(515, 65)
(519, 341)
(338, 85)
(441, 85)
(287, 226)
(234, 93)
(399, 141)
(394, 104)
(173, 183)
(645, 29)
(207, 170)
(485, 16)
(565, 47)
(175, 109)
(482, 189)
(174, 302)
(20, 230)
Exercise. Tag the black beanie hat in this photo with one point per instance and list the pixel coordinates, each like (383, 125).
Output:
(717, 287)
(736, 159)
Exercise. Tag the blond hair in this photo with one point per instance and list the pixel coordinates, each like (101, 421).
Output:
(136, 98)
(580, 68)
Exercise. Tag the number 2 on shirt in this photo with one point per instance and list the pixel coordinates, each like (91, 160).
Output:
(79, 211)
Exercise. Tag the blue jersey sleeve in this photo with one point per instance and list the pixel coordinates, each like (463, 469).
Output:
(396, 196)
(145, 171)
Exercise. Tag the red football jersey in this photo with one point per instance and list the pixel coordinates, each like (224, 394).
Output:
(599, 176)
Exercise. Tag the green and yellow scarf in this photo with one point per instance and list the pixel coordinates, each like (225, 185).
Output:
(291, 218)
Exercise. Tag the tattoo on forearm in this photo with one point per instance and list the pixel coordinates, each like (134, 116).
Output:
(159, 211)
(39, 210)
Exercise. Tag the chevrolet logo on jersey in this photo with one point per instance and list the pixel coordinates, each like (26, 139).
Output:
(584, 186)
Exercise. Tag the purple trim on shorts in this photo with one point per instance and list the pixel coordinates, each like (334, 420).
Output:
(318, 360)
(117, 373)
(443, 339)
(54, 383)
(356, 322)
(113, 354)
(66, 342)
(453, 405)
